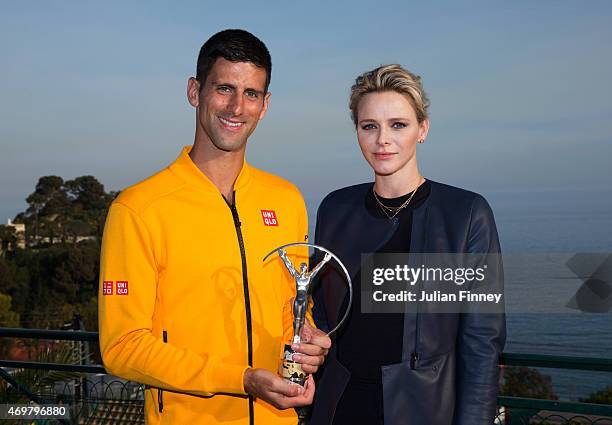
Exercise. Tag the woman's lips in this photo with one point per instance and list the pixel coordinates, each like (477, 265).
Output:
(383, 155)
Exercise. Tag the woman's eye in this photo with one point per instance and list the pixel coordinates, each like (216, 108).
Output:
(398, 125)
(368, 127)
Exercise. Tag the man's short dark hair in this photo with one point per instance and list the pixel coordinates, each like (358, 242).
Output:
(236, 46)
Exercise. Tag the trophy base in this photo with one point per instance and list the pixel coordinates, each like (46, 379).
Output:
(290, 370)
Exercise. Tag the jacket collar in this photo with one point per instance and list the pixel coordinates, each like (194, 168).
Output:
(184, 167)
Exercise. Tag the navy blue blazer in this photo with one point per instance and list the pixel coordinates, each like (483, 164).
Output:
(449, 371)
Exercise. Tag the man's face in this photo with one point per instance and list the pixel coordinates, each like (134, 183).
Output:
(230, 104)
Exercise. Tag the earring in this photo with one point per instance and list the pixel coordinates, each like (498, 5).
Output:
(422, 141)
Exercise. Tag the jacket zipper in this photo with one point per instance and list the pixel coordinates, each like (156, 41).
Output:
(247, 300)
(414, 356)
(160, 392)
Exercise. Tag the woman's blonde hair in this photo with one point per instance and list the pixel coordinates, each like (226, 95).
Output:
(390, 78)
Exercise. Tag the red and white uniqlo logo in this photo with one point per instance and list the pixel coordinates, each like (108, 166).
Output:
(269, 217)
(122, 287)
(107, 287)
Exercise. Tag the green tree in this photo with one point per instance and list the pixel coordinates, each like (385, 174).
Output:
(14, 281)
(45, 205)
(89, 204)
(521, 381)
(64, 210)
(88, 192)
(600, 397)
(88, 311)
(8, 238)
(8, 318)
(73, 228)
(75, 271)
(50, 281)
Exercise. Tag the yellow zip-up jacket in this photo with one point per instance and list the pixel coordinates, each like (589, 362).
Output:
(186, 304)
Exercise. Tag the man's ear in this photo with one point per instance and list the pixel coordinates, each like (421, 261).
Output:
(265, 105)
(193, 92)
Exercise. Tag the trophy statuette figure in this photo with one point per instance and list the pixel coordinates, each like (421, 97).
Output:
(303, 278)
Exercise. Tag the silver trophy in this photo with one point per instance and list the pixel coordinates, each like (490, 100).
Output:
(303, 278)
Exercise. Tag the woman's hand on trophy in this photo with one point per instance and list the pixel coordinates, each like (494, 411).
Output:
(311, 352)
(263, 384)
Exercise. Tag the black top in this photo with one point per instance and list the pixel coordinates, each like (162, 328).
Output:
(369, 341)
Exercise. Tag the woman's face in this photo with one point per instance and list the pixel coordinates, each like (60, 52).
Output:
(388, 131)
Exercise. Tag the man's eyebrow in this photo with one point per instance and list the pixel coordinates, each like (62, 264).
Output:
(219, 83)
(232, 86)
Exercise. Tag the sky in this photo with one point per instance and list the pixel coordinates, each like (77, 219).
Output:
(520, 91)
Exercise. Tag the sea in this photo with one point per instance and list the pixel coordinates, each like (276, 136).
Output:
(538, 224)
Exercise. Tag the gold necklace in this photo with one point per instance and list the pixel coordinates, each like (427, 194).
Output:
(392, 212)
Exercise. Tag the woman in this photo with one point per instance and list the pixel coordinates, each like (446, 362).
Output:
(410, 368)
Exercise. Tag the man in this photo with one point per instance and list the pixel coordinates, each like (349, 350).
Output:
(186, 304)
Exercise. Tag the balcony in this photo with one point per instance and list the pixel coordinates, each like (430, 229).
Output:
(94, 397)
